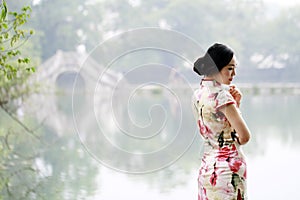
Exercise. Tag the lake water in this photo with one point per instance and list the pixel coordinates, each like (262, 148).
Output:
(273, 158)
(146, 146)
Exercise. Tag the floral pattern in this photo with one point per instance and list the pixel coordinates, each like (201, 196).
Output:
(222, 174)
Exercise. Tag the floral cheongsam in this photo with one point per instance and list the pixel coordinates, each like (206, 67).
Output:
(222, 174)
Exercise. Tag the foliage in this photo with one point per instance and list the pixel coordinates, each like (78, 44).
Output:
(15, 165)
(11, 38)
(17, 174)
(39, 168)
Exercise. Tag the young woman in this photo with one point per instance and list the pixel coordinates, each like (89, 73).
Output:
(222, 174)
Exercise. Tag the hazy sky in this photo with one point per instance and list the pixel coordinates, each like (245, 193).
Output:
(279, 2)
(284, 3)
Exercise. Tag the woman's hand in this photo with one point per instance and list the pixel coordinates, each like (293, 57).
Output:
(236, 94)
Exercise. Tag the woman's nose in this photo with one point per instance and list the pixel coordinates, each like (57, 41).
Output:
(233, 72)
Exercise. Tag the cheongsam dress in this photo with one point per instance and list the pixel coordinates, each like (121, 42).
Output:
(222, 174)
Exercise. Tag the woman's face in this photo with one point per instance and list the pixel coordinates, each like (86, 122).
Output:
(228, 72)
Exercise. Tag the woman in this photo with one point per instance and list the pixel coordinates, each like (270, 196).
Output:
(222, 174)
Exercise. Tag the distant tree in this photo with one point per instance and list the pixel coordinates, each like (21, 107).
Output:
(274, 46)
(279, 35)
(205, 21)
(244, 25)
(66, 25)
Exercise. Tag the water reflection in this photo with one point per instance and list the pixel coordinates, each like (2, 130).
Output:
(143, 128)
(86, 164)
(274, 123)
(273, 174)
(70, 170)
(273, 151)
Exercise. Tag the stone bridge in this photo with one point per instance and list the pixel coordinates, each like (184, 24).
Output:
(67, 80)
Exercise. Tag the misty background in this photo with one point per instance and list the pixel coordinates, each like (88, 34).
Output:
(107, 114)
(264, 35)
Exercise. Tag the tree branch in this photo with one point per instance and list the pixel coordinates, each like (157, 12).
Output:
(28, 130)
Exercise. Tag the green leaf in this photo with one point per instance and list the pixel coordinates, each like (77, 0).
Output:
(4, 11)
(32, 69)
(5, 25)
(10, 35)
(9, 76)
(26, 60)
(15, 14)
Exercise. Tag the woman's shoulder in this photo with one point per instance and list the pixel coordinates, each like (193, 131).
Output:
(221, 90)
(224, 97)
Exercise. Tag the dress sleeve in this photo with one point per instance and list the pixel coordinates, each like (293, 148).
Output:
(224, 98)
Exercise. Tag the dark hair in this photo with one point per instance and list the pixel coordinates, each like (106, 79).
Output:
(216, 57)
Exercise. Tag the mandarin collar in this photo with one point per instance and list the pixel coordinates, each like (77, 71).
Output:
(214, 83)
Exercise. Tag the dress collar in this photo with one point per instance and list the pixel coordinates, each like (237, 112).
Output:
(213, 83)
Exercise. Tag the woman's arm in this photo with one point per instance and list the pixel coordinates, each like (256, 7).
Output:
(237, 122)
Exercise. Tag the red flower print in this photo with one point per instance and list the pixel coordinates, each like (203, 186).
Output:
(233, 147)
(213, 179)
(226, 153)
(245, 174)
(239, 197)
(235, 164)
(223, 154)
(204, 131)
(203, 194)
